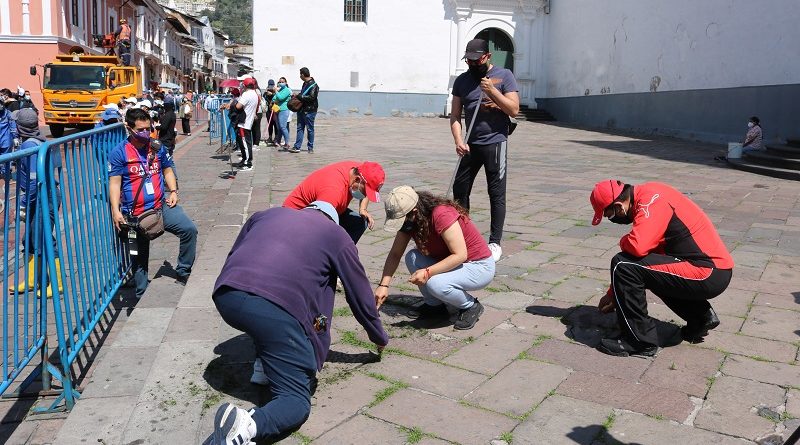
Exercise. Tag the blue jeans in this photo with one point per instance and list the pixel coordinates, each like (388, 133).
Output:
(305, 120)
(283, 123)
(452, 287)
(353, 223)
(286, 355)
(177, 223)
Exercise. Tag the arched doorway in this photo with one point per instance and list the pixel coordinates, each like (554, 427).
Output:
(500, 45)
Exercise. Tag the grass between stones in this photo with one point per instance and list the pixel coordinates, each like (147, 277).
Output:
(304, 440)
(343, 311)
(507, 437)
(380, 396)
(413, 435)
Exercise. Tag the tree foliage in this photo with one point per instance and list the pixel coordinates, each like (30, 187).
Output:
(234, 18)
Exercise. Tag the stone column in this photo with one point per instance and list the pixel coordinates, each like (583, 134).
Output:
(461, 16)
(26, 17)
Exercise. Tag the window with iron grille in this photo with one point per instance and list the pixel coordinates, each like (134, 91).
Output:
(355, 11)
(75, 13)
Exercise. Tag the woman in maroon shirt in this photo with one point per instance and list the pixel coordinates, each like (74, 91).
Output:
(451, 257)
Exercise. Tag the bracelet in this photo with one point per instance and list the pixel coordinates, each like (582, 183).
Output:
(172, 191)
(383, 285)
(427, 273)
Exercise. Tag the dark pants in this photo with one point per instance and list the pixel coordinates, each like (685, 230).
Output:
(353, 223)
(246, 145)
(683, 287)
(177, 223)
(305, 120)
(272, 126)
(256, 130)
(493, 159)
(187, 128)
(286, 355)
(124, 51)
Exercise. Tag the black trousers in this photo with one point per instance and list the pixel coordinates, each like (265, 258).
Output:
(684, 288)
(245, 141)
(186, 126)
(256, 130)
(272, 125)
(493, 159)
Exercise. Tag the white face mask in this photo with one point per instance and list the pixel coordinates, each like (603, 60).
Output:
(27, 98)
(750, 125)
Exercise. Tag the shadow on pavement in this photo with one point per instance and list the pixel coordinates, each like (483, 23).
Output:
(658, 149)
(587, 325)
(230, 372)
(587, 435)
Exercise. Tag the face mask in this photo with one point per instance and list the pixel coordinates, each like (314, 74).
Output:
(357, 194)
(621, 219)
(479, 71)
(2, 108)
(750, 125)
(27, 98)
(281, 85)
(142, 137)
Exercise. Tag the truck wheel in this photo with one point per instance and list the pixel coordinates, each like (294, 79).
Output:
(56, 130)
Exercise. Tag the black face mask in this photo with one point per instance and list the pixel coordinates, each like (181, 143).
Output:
(621, 219)
(479, 71)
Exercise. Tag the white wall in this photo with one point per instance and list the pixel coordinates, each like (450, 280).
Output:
(627, 46)
(403, 47)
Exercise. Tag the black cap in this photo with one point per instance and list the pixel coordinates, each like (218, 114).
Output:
(476, 48)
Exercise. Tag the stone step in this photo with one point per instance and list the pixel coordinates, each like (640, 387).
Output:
(784, 150)
(535, 115)
(772, 159)
(775, 172)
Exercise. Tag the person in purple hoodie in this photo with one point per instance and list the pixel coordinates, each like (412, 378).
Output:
(278, 285)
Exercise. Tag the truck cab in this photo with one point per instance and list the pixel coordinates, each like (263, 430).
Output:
(75, 87)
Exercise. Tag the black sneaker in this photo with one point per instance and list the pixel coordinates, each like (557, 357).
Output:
(623, 347)
(182, 279)
(429, 312)
(694, 332)
(468, 317)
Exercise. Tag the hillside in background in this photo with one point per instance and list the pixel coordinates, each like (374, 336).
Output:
(233, 17)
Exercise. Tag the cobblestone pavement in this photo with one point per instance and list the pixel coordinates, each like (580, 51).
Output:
(527, 373)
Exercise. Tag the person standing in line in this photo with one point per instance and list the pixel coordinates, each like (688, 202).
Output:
(186, 117)
(272, 117)
(9, 137)
(166, 131)
(247, 104)
(306, 116)
(281, 99)
(488, 94)
(256, 129)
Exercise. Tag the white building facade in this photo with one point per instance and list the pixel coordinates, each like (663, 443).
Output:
(685, 68)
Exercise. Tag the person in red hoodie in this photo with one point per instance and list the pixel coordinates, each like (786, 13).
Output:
(673, 250)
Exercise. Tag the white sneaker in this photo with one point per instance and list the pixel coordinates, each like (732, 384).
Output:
(233, 426)
(496, 250)
(258, 377)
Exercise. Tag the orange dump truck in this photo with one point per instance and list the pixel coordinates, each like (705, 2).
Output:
(75, 87)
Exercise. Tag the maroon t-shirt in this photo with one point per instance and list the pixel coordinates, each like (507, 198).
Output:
(443, 217)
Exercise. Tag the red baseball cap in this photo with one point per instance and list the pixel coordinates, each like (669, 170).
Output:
(603, 194)
(249, 82)
(373, 175)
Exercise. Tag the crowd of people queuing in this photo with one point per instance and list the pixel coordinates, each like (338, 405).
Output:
(284, 299)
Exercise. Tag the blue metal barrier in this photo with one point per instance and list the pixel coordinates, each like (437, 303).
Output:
(24, 321)
(81, 247)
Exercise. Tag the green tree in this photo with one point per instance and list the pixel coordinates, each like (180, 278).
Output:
(234, 18)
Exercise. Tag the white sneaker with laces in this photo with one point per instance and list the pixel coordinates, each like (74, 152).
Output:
(258, 377)
(496, 250)
(233, 426)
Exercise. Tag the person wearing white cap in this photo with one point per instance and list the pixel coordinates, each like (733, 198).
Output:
(284, 301)
(451, 258)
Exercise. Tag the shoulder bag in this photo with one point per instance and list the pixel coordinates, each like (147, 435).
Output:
(295, 104)
(151, 222)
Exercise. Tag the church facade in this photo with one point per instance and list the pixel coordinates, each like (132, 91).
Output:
(684, 68)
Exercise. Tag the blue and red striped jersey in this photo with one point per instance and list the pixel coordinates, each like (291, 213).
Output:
(137, 167)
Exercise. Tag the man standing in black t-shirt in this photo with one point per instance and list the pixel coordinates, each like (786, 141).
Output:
(488, 95)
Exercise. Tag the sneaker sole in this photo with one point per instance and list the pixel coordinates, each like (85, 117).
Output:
(465, 328)
(645, 353)
(224, 422)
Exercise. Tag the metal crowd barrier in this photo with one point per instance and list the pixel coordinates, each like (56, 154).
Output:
(24, 321)
(81, 247)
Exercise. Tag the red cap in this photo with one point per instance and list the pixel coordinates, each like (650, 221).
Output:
(603, 194)
(373, 175)
(235, 92)
(249, 82)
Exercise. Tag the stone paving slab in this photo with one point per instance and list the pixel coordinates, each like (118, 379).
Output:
(447, 381)
(632, 428)
(97, 420)
(628, 395)
(146, 327)
(775, 324)
(750, 346)
(519, 387)
(362, 429)
(492, 352)
(581, 358)
(781, 374)
(684, 368)
(444, 418)
(122, 372)
(563, 420)
(732, 404)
